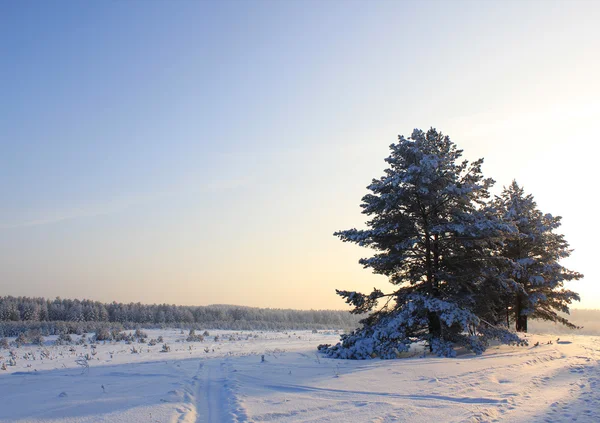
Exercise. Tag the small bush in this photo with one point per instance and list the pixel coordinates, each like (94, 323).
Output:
(140, 334)
(21, 339)
(103, 334)
(37, 340)
(122, 336)
(165, 348)
(4, 344)
(64, 339)
(192, 337)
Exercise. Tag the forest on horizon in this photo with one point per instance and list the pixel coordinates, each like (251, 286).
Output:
(18, 314)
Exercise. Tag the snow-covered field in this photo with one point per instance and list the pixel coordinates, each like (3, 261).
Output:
(228, 381)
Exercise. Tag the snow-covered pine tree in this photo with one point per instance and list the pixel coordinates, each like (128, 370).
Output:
(435, 238)
(534, 251)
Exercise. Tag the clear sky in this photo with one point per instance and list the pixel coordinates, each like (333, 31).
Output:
(204, 152)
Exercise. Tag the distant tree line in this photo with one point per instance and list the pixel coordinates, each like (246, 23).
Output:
(19, 313)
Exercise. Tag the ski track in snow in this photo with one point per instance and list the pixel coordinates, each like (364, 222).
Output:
(227, 381)
(209, 397)
(212, 403)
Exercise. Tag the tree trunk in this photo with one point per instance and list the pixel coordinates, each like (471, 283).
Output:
(520, 318)
(522, 324)
(435, 326)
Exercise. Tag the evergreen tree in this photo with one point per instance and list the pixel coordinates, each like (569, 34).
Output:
(534, 251)
(435, 238)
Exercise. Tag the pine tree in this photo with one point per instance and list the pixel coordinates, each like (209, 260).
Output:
(534, 251)
(435, 237)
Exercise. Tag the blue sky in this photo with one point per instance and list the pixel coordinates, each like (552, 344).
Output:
(204, 152)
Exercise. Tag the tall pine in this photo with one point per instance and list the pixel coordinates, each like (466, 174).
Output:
(435, 239)
(535, 251)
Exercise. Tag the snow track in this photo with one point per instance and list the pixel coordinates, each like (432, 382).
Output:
(227, 381)
(207, 398)
(212, 402)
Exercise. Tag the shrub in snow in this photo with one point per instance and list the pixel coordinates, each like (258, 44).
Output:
(103, 334)
(64, 339)
(21, 340)
(35, 337)
(37, 340)
(83, 362)
(139, 334)
(4, 344)
(165, 348)
(192, 337)
(122, 336)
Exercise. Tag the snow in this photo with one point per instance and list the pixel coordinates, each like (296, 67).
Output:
(547, 382)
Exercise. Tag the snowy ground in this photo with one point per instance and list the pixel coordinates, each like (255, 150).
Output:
(226, 381)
